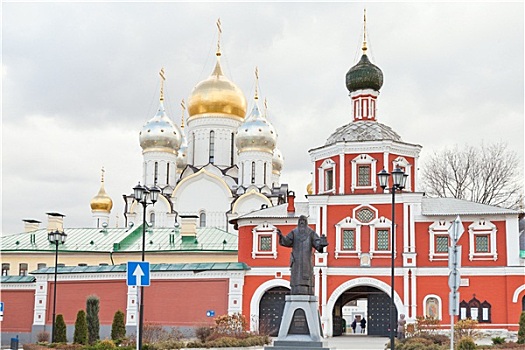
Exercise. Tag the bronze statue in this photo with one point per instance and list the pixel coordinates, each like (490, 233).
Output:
(302, 239)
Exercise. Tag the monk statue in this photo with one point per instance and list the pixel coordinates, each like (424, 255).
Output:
(302, 239)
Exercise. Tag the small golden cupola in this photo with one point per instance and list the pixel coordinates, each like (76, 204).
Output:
(217, 95)
(102, 202)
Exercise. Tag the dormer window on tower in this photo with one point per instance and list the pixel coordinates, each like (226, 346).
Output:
(327, 176)
(363, 166)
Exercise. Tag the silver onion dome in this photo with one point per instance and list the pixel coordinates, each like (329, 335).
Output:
(159, 133)
(277, 161)
(182, 157)
(256, 133)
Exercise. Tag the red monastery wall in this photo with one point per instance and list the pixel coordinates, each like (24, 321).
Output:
(18, 310)
(185, 302)
(72, 296)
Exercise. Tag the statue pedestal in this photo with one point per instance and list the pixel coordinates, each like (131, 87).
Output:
(300, 326)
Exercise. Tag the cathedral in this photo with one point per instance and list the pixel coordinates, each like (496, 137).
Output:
(212, 234)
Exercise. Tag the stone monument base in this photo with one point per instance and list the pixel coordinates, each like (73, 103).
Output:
(300, 326)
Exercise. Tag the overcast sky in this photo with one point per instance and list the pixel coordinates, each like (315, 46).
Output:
(80, 79)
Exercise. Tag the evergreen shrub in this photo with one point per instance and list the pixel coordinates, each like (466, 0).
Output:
(81, 330)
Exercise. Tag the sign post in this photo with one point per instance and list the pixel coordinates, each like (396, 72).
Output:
(138, 275)
(454, 264)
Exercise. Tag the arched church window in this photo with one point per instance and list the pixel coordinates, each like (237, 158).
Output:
(193, 147)
(202, 219)
(232, 148)
(253, 173)
(156, 174)
(265, 169)
(167, 173)
(152, 219)
(212, 146)
(523, 303)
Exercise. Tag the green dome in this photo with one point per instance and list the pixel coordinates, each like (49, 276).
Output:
(364, 75)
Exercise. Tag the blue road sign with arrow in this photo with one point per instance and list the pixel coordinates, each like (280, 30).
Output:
(138, 273)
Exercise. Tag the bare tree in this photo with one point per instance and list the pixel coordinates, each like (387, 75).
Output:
(489, 174)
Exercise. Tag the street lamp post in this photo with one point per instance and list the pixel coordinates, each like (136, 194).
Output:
(56, 237)
(399, 179)
(141, 195)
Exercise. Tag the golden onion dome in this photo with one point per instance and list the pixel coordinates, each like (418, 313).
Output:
(256, 133)
(217, 95)
(277, 161)
(102, 202)
(309, 188)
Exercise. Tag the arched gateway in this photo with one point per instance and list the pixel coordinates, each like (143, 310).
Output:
(377, 295)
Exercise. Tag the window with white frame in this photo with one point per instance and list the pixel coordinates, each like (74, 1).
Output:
(403, 164)
(5, 269)
(22, 269)
(264, 241)
(327, 176)
(363, 172)
(482, 240)
(380, 237)
(348, 238)
(438, 239)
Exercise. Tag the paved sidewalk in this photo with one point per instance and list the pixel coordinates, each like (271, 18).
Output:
(363, 342)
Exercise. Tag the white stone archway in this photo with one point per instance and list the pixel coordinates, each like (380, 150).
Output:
(517, 293)
(256, 299)
(326, 318)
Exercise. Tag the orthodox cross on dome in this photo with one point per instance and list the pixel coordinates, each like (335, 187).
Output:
(102, 176)
(162, 79)
(265, 106)
(219, 27)
(183, 107)
(364, 32)
(256, 83)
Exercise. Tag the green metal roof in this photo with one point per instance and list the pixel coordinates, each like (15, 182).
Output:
(209, 239)
(18, 279)
(153, 268)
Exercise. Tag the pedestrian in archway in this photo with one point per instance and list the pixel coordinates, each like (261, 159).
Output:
(363, 324)
(354, 324)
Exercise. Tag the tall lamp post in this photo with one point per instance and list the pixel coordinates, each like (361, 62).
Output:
(141, 195)
(399, 179)
(56, 237)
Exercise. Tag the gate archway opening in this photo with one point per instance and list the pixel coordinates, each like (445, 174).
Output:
(271, 309)
(366, 302)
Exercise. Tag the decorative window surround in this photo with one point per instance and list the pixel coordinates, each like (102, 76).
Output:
(259, 232)
(381, 223)
(439, 305)
(482, 227)
(347, 223)
(363, 159)
(403, 164)
(438, 228)
(327, 166)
